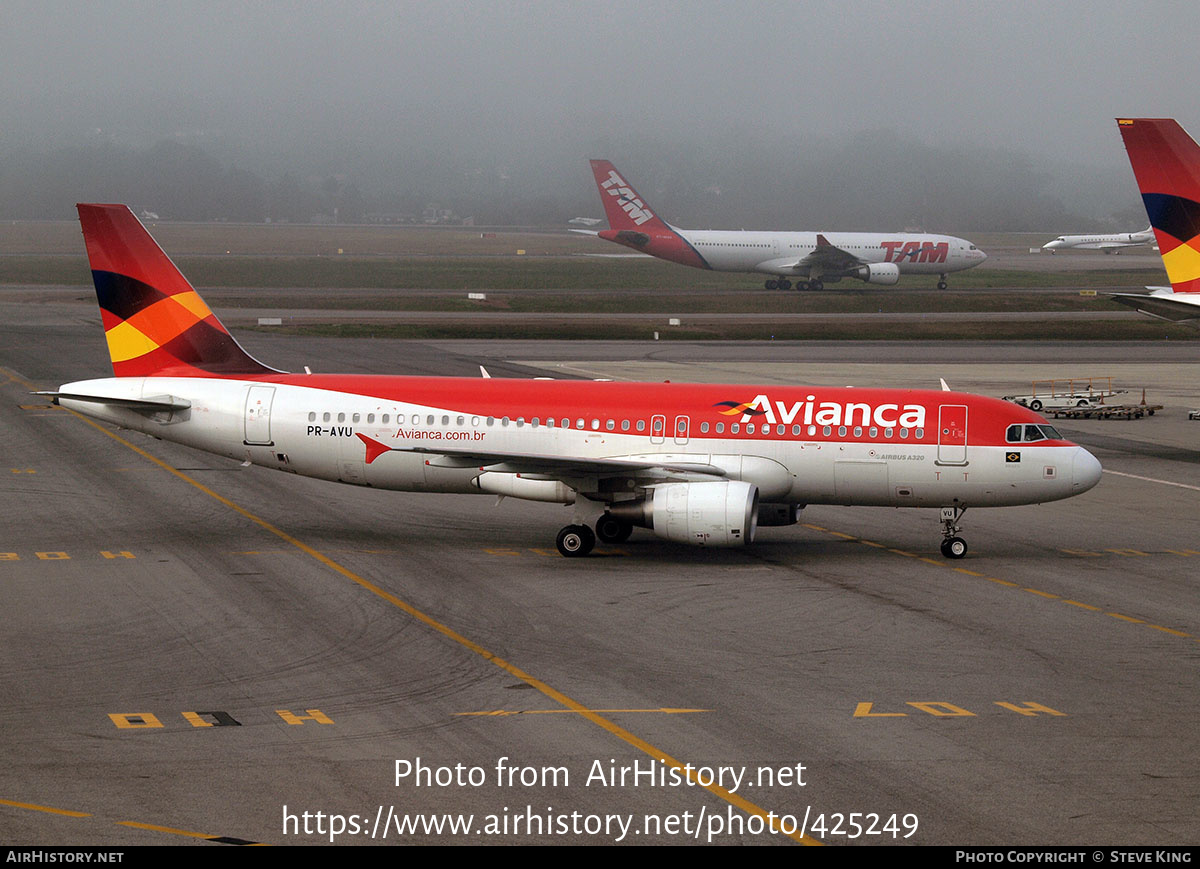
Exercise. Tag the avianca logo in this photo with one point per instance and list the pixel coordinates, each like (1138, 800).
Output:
(812, 412)
(626, 198)
(914, 251)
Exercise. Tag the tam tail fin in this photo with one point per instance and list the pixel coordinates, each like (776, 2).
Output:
(1166, 163)
(623, 207)
(154, 320)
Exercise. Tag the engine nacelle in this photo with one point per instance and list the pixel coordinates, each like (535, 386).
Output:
(880, 273)
(720, 513)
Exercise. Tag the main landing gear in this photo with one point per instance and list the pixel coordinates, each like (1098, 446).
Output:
(953, 546)
(942, 283)
(785, 284)
(575, 541)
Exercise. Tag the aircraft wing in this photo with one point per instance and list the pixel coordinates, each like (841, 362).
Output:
(538, 466)
(1178, 307)
(828, 257)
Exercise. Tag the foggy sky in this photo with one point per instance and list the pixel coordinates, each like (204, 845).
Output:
(377, 91)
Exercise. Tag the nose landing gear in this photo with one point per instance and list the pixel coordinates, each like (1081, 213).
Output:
(953, 546)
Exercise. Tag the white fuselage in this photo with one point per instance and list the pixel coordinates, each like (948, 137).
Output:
(1112, 241)
(778, 253)
(316, 433)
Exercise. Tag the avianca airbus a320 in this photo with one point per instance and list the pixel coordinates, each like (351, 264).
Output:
(811, 257)
(698, 464)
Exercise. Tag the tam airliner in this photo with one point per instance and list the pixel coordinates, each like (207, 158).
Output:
(812, 258)
(694, 463)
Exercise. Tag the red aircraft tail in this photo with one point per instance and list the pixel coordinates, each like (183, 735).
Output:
(154, 320)
(1166, 163)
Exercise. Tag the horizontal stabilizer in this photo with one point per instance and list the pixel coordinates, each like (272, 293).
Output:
(148, 404)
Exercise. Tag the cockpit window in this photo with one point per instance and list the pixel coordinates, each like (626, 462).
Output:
(1030, 433)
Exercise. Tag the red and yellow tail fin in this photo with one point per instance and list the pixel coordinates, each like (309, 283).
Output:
(1166, 162)
(154, 320)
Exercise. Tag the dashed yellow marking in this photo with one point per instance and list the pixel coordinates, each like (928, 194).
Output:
(1127, 618)
(931, 561)
(140, 826)
(872, 543)
(1086, 606)
(36, 808)
(1083, 553)
(902, 552)
(1186, 553)
(1044, 594)
(1004, 582)
(967, 572)
(1130, 552)
(843, 536)
(1171, 631)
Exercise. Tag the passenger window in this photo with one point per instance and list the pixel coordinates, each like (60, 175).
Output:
(827, 431)
(841, 431)
(920, 433)
(720, 428)
(386, 417)
(749, 428)
(341, 417)
(370, 417)
(641, 425)
(903, 433)
(579, 423)
(704, 428)
(595, 425)
(624, 425)
(858, 431)
(354, 418)
(312, 416)
(429, 419)
(795, 430)
(734, 428)
(611, 425)
(325, 416)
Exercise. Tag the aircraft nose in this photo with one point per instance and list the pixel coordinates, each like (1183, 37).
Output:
(1085, 471)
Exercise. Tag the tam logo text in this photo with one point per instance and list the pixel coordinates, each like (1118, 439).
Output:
(626, 198)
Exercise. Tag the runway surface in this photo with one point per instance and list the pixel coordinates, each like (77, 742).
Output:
(1042, 691)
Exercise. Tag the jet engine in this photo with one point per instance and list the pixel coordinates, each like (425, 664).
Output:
(720, 513)
(879, 273)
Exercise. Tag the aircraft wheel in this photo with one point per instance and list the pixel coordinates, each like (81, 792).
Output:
(610, 529)
(785, 284)
(1035, 405)
(803, 285)
(1083, 402)
(575, 541)
(942, 285)
(816, 285)
(954, 547)
(772, 285)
